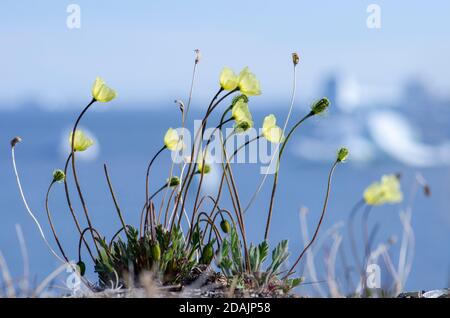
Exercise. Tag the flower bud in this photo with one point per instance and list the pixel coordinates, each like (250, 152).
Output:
(342, 154)
(198, 56)
(81, 267)
(58, 176)
(155, 251)
(295, 58)
(207, 254)
(174, 181)
(15, 141)
(225, 226)
(320, 106)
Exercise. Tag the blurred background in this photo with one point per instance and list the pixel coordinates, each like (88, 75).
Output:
(389, 87)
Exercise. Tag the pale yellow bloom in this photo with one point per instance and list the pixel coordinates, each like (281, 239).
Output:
(81, 142)
(206, 168)
(228, 79)
(172, 140)
(248, 83)
(386, 191)
(271, 131)
(242, 116)
(101, 92)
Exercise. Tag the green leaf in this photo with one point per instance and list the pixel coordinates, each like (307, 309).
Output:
(279, 256)
(236, 250)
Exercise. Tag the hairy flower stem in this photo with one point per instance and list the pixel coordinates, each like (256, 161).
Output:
(188, 178)
(74, 171)
(236, 202)
(19, 184)
(219, 191)
(72, 212)
(222, 122)
(49, 216)
(330, 176)
(291, 105)
(83, 232)
(111, 190)
(145, 210)
(191, 170)
(147, 206)
(275, 179)
(213, 226)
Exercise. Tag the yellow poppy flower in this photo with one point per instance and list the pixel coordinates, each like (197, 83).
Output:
(101, 92)
(242, 116)
(228, 79)
(386, 191)
(172, 140)
(82, 142)
(248, 83)
(271, 131)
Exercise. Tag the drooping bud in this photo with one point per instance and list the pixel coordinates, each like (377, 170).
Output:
(81, 267)
(198, 56)
(207, 254)
(174, 181)
(295, 58)
(342, 154)
(15, 141)
(320, 106)
(58, 176)
(155, 251)
(225, 226)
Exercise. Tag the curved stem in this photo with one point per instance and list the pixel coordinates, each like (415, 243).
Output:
(147, 207)
(74, 171)
(291, 105)
(330, 176)
(83, 232)
(222, 122)
(69, 204)
(275, 179)
(111, 190)
(51, 223)
(41, 232)
(146, 185)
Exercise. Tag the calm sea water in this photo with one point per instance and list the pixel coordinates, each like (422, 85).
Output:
(127, 140)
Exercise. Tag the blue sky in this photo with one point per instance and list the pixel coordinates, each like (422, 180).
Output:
(144, 49)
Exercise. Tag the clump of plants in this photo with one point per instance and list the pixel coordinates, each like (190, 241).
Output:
(181, 229)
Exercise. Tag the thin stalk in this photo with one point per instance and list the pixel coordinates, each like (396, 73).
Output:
(49, 216)
(146, 184)
(203, 165)
(69, 204)
(74, 171)
(41, 232)
(111, 190)
(275, 179)
(187, 179)
(291, 105)
(92, 230)
(190, 173)
(146, 209)
(330, 176)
